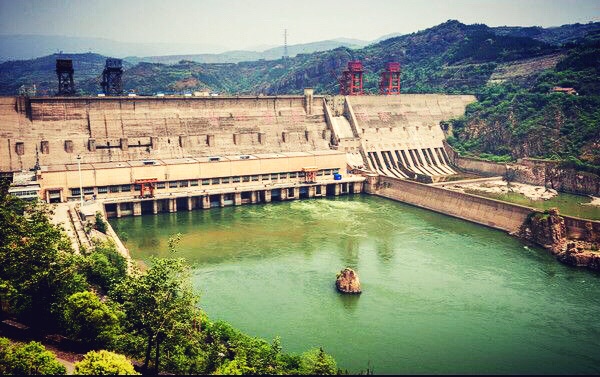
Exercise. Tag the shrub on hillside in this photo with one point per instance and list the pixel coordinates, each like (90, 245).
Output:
(104, 363)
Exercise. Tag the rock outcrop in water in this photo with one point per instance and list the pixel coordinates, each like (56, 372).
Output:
(548, 230)
(347, 281)
(576, 254)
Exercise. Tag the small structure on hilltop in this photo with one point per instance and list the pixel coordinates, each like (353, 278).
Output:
(347, 281)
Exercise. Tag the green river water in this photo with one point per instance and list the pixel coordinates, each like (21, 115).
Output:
(440, 295)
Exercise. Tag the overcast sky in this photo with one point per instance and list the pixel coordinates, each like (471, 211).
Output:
(237, 24)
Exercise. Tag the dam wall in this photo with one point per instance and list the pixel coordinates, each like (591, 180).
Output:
(485, 211)
(113, 129)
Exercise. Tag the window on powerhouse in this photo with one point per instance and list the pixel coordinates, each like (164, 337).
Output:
(25, 193)
(204, 182)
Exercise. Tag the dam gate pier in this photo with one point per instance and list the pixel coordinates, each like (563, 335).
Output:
(188, 201)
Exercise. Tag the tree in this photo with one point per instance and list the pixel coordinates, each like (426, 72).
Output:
(105, 266)
(100, 224)
(91, 321)
(160, 307)
(509, 176)
(104, 363)
(28, 359)
(316, 361)
(38, 268)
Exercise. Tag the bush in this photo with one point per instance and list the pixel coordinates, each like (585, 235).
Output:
(91, 321)
(104, 363)
(28, 359)
(316, 361)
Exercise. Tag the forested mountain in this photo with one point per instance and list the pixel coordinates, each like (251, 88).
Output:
(511, 69)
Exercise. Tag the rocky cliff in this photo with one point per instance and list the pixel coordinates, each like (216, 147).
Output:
(549, 230)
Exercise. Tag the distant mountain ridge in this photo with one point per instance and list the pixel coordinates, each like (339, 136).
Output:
(23, 47)
(241, 56)
(512, 71)
(448, 57)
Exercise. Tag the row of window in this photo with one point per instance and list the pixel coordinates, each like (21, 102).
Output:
(24, 193)
(203, 182)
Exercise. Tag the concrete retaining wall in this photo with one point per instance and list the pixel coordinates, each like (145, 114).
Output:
(474, 165)
(485, 211)
(493, 213)
(533, 172)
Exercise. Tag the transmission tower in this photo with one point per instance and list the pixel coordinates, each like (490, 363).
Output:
(285, 49)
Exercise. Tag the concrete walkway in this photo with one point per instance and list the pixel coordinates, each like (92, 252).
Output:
(62, 218)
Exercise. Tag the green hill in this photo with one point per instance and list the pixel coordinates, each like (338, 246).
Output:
(512, 70)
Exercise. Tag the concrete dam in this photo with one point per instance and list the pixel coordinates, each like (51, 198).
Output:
(153, 154)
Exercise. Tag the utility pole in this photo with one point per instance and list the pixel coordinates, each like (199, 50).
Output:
(80, 183)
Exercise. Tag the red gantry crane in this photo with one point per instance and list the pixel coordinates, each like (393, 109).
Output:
(351, 82)
(390, 79)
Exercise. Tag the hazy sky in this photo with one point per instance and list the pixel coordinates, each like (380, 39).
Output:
(241, 24)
